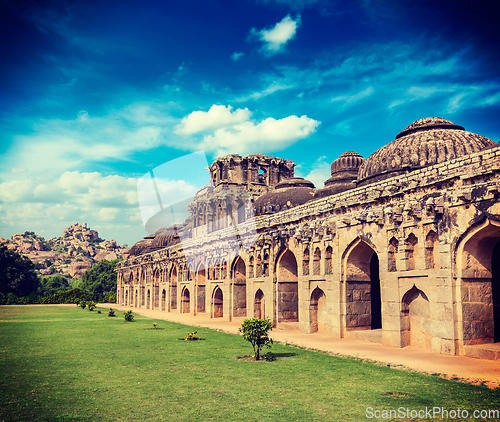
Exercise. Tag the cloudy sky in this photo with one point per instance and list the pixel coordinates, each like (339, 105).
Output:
(96, 94)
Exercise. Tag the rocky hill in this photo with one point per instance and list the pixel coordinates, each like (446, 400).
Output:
(71, 254)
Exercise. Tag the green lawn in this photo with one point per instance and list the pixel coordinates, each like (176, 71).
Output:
(65, 364)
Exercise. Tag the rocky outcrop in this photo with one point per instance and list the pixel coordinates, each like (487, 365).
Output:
(70, 254)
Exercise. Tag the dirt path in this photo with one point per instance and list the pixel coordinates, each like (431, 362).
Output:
(475, 371)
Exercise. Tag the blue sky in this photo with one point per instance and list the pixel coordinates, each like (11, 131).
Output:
(95, 94)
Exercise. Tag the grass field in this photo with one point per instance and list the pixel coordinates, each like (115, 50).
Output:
(69, 364)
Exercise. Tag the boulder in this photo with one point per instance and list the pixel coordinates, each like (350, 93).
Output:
(77, 269)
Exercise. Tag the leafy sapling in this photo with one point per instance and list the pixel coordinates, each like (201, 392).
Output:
(256, 331)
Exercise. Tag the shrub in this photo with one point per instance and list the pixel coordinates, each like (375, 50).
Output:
(256, 331)
(91, 305)
(192, 336)
(111, 312)
(129, 316)
(83, 304)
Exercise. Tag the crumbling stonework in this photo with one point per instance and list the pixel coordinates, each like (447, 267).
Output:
(409, 257)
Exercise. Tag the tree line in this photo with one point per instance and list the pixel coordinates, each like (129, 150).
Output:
(19, 283)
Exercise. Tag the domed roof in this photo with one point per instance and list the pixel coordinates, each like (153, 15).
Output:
(287, 194)
(348, 161)
(426, 142)
(344, 173)
(142, 246)
(165, 237)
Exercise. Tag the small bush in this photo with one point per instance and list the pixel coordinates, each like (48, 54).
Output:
(129, 316)
(83, 304)
(111, 312)
(192, 336)
(91, 305)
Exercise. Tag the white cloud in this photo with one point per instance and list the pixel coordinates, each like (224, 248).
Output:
(102, 201)
(264, 137)
(275, 39)
(318, 174)
(57, 145)
(218, 116)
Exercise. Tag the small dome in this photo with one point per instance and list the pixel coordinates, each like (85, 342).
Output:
(166, 236)
(348, 161)
(344, 173)
(142, 246)
(287, 194)
(424, 143)
(294, 182)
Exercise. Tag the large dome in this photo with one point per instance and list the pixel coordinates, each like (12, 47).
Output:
(287, 194)
(424, 143)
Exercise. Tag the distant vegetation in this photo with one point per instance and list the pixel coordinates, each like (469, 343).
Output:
(19, 283)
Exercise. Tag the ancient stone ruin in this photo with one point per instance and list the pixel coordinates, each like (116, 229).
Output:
(401, 248)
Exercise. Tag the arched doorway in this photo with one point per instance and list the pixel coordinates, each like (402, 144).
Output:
(173, 288)
(126, 297)
(319, 314)
(259, 307)
(163, 300)
(148, 302)
(288, 288)
(478, 263)
(363, 300)
(415, 320)
(495, 290)
(185, 301)
(217, 303)
(200, 289)
(239, 289)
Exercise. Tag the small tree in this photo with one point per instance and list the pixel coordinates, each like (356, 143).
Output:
(256, 331)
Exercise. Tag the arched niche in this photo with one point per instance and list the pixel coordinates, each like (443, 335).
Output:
(415, 319)
(318, 311)
(239, 288)
(185, 301)
(259, 304)
(217, 303)
(288, 289)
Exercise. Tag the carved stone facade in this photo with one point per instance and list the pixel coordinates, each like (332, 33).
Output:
(406, 254)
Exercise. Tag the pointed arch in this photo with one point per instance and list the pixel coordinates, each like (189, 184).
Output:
(239, 288)
(317, 261)
(200, 288)
(431, 243)
(259, 304)
(185, 301)
(173, 287)
(163, 300)
(392, 254)
(410, 251)
(415, 319)
(305, 262)
(288, 288)
(217, 303)
(362, 290)
(328, 260)
(318, 311)
(477, 265)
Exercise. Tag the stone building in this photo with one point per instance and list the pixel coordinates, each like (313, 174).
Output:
(401, 248)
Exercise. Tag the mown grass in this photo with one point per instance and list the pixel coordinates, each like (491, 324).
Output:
(69, 364)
